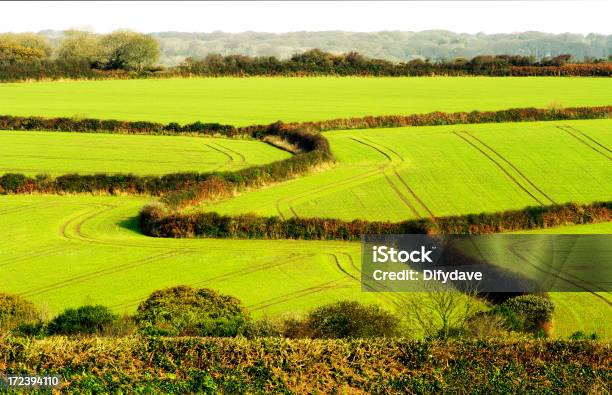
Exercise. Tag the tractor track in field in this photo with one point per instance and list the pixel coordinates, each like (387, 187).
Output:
(393, 299)
(501, 167)
(288, 200)
(541, 269)
(589, 137)
(516, 169)
(33, 254)
(87, 239)
(295, 295)
(268, 264)
(239, 154)
(99, 273)
(228, 162)
(388, 179)
(574, 133)
(24, 208)
(403, 181)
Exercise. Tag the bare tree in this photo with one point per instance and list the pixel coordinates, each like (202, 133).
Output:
(439, 310)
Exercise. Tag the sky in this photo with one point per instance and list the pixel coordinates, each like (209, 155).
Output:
(286, 16)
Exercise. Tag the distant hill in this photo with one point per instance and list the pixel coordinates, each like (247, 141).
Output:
(390, 45)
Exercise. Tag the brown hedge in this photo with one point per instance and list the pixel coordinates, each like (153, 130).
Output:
(276, 365)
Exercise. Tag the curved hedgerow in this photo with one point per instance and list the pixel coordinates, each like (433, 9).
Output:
(312, 149)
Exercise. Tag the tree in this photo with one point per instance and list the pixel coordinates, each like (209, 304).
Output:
(439, 312)
(26, 47)
(81, 45)
(128, 50)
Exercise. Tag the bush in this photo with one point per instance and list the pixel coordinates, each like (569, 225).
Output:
(350, 319)
(83, 320)
(527, 313)
(579, 335)
(264, 327)
(186, 311)
(16, 311)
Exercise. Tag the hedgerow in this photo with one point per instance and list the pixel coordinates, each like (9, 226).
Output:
(158, 221)
(275, 365)
(181, 189)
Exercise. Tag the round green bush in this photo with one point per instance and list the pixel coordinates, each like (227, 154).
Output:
(187, 311)
(532, 310)
(83, 320)
(15, 311)
(350, 319)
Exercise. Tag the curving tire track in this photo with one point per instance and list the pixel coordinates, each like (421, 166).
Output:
(399, 193)
(237, 153)
(403, 181)
(541, 269)
(326, 187)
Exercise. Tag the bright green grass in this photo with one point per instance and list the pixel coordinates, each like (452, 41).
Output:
(403, 173)
(86, 249)
(243, 101)
(60, 153)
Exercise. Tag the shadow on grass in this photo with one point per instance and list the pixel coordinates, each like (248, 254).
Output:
(131, 224)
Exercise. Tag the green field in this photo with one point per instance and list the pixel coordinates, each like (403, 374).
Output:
(86, 249)
(61, 153)
(403, 173)
(64, 251)
(241, 101)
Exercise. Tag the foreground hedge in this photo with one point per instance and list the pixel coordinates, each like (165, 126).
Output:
(274, 365)
(159, 222)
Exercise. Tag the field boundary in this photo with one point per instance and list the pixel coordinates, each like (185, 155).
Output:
(179, 190)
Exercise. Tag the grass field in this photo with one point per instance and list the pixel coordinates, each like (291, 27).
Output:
(86, 249)
(403, 173)
(242, 101)
(60, 153)
(64, 251)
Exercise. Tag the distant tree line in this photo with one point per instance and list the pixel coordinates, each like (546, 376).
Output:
(317, 62)
(125, 54)
(79, 55)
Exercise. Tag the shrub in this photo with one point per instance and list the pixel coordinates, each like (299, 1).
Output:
(186, 311)
(83, 320)
(16, 311)
(527, 313)
(263, 327)
(579, 335)
(350, 319)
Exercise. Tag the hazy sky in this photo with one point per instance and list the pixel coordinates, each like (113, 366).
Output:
(283, 16)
